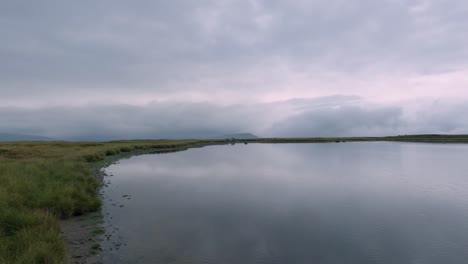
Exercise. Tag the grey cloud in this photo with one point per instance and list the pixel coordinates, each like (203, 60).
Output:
(342, 121)
(65, 47)
(349, 116)
(159, 120)
(440, 117)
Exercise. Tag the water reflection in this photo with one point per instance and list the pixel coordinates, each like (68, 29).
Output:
(291, 203)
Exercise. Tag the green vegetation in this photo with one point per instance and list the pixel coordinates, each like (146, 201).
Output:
(98, 231)
(95, 248)
(41, 182)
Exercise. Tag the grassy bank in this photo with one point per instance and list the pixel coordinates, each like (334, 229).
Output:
(41, 182)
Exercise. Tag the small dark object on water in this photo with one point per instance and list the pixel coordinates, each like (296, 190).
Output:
(245, 143)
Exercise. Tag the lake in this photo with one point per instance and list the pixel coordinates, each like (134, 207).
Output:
(362, 202)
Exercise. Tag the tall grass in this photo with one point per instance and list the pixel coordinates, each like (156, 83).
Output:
(33, 194)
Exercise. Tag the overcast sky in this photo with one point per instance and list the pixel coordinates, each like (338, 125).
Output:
(182, 68)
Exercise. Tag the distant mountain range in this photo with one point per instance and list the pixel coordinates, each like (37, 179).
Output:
(22, 137)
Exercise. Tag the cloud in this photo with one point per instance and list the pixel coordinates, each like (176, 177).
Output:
(353, 116)
(342, 121)
(157, 120)
(69, 52)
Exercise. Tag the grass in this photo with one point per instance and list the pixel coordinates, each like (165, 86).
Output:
(95, 248)
(41, 182)
(98, 231)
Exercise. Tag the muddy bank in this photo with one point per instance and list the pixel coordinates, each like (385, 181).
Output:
(82, 238)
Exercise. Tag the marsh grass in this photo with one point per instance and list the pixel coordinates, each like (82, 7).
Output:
(95, 248)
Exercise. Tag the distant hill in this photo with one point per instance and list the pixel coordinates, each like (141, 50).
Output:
(22, 137)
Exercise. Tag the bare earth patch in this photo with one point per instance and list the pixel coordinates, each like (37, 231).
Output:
(81, 235)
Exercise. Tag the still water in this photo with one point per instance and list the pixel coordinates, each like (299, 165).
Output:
(340, 203)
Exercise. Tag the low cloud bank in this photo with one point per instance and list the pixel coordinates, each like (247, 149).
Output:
(324, 116)
(341, 121)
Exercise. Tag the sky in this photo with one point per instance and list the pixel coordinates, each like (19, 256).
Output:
(107, 69)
